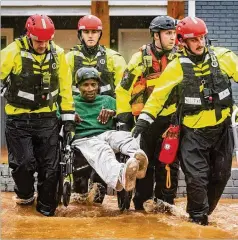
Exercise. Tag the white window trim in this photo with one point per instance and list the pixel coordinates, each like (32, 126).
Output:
(82, 7)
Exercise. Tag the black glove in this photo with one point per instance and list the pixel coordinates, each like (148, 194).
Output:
(141, 126)
(69, 130)
(128, 119)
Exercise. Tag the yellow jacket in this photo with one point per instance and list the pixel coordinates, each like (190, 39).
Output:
(134, 69)
(11, 62)
(173, 75)
(115, 62)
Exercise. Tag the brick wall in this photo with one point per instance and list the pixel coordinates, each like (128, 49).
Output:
(231, 190)
(221, 18)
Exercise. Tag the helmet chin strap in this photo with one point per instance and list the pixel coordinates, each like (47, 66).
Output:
(194, 57)
(160, 50)
(89, 50)
(32, 49)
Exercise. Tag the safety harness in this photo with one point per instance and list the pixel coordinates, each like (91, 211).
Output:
(99, 62)
(206, 88)
(37, 84)
(144, 86)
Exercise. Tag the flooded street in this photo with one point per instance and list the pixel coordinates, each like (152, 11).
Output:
(106, 221)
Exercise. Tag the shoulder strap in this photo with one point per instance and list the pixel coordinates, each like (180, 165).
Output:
(53, 51)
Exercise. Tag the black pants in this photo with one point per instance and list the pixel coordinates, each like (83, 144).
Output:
(32, 146)
(206, 156)
(151, 143)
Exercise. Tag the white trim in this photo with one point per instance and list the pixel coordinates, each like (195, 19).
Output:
(45, 3)
(82, 3)
(52, 93)
(48, 57)
(185, 60)
(142, 10)
(137, 3)
(105, 88)
(27, 55)
(82, 7)
(192, 101)
(45, 10)
(26, 95)
(192, 8)
(146, 117)
(224, 94)
(67, 117)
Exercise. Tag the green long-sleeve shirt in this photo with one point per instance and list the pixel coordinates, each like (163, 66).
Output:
(89, 111)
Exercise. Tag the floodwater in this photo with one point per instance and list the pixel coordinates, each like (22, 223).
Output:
(106, 221)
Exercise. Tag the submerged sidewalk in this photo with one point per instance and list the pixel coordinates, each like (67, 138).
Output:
(231, 190)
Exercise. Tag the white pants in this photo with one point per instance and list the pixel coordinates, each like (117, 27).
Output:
(100, 153)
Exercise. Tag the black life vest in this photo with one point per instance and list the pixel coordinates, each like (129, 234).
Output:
(99, 62)
(37, 84)
(204, 92)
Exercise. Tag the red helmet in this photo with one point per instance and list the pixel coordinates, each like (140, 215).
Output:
(40, 27)
(190, 27)
(89, 22)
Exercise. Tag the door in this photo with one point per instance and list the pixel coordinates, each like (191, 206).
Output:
(66, 39)
(130, 40)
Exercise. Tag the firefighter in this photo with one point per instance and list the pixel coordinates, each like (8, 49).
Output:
(138, 83)
(35, 77)
(201, 76)
(108, 62)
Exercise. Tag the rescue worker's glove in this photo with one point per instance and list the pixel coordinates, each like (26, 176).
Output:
(127, 119)
(140, 127)
(69, 129)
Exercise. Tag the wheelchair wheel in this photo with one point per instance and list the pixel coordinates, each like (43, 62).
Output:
(124, 199)
(66, 193)
(59, 192)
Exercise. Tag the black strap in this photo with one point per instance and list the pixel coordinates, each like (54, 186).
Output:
(214, 70)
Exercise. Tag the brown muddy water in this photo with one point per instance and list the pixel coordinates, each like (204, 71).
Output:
(106, 221)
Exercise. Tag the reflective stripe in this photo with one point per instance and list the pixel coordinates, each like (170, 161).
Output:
(193, 101)
(146, 117)
(98, 54)
(207, 57)
(2, 91)
(47, 57)
(224, 94)
(67, 116)
(27, 55)
(80, 54)
(52, 93)
(75, 89)
(185, 60)
(26, 95)
(105, 88)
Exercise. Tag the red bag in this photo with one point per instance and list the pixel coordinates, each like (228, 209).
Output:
(170, 145)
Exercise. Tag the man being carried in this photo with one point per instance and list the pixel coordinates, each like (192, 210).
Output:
(97, 140)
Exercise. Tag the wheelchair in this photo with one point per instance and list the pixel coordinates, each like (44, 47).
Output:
(73, 163)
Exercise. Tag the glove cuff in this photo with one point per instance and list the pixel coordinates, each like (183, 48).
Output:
(146, 117)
